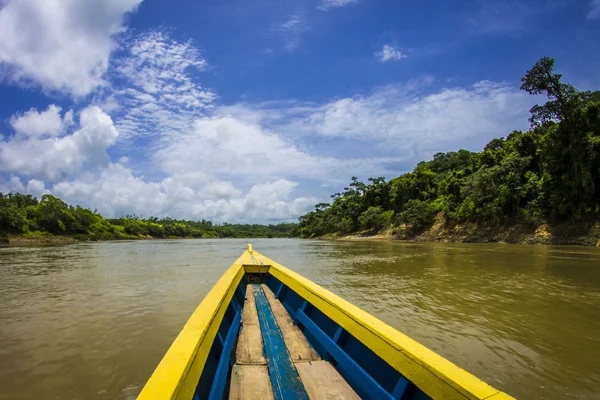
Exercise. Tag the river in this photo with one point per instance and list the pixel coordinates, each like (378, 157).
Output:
(92, 320)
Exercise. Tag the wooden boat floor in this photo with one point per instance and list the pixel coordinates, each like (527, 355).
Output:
(253, 372)
(250, 344)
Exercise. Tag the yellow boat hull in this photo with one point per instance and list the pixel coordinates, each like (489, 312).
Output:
(369, 342)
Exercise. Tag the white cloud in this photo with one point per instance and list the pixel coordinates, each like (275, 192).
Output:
(291, 31)
(388, 53)
(66, 44)
(161, 96)
(12, 184)
(39, 124)
(594, 10)
(158, 67)
(56, 157)
(410, 121)
(36, 188)
(229, 146)
(242, 162)
(449, 119)
(68, 118)
(116, 191)
(329, 4)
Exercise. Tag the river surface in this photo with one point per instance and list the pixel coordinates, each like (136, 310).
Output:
(92, 320)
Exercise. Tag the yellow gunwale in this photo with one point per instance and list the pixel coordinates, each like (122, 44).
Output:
(435, 375)
(179, 371)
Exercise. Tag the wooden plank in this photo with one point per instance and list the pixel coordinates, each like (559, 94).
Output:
(250, 382)
(250, 344)
(323, 382)
(431, 373)
(284, 377)
(358, 377)
(300, 350)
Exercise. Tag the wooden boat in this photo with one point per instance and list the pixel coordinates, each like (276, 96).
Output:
(265, 332)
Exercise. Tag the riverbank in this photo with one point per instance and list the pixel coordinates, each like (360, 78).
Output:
(583, 233)
(44, 238)
(20, 240)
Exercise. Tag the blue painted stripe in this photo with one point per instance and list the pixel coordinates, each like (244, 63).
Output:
(279, 290)
(284, 377)
(220, 380)
(364, 385)
(400, 388)
(337, 335)
(290, 311)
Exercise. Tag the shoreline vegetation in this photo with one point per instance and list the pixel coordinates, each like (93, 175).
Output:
(583, 233)
(25, 220)
(538, 186)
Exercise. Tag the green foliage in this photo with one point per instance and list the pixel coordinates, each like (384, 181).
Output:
(418, 214)
(375, 218)
(23, 214)
(550, 172)
(53, 215)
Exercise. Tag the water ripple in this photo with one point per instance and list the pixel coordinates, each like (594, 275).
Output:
(91, 321)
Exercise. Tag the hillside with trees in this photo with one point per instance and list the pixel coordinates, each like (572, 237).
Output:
(547, 175)
(25, 216)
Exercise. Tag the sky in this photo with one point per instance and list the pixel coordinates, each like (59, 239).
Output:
(255, 111)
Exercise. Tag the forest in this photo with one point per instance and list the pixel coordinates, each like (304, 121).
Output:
(550, 173)
(24, 215)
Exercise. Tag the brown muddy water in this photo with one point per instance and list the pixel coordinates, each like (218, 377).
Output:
(92, 320)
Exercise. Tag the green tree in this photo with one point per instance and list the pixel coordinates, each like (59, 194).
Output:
(53, 215)
(549, 172)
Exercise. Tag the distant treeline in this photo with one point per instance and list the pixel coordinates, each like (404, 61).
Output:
(25, 215)
(549, 173)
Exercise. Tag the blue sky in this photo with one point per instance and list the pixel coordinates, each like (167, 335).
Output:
(255, 111)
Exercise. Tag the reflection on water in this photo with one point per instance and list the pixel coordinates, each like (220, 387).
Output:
(92, 320)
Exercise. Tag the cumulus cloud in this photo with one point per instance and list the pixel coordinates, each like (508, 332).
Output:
(594, 10)
(116, 191)
(66, 44)
(44, 123)
(198, 136)
(326, 5)
(36, 187)
(242, 162)
(389, 53)
(229, 146)
(12, 184)
(54, 158)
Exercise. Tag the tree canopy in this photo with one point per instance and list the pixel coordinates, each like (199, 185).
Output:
(550, 172)
(25, 215)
